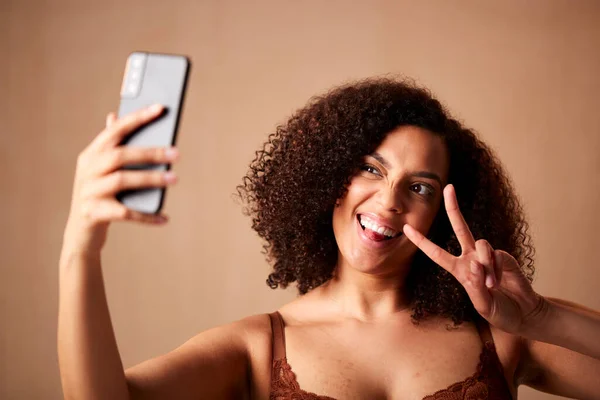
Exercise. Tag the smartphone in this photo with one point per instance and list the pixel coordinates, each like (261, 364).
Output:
(152, 78)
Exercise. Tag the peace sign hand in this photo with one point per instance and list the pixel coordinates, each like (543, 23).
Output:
(497, 287)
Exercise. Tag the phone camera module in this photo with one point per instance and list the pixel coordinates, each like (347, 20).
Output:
(134, 73)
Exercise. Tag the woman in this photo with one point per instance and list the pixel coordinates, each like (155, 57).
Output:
(401, 298)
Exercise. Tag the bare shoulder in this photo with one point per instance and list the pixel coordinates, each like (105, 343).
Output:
(255, 335)
(242, 334)
(252, 328)
(230, 360)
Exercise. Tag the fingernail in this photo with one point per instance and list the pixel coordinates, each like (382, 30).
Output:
(171, 153)
(489, 281)
(170, 177)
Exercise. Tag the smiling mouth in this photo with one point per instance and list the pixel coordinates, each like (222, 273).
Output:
(375, 232)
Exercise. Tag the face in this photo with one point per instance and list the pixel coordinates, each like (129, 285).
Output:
(401, 182)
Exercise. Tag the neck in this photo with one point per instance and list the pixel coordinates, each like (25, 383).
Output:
(366, 296)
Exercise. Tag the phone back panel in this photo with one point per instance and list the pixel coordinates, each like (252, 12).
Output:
(152, 78)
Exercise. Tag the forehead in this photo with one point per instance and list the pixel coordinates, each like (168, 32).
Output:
(414, 148)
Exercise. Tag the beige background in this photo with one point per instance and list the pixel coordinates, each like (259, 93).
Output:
(524, 74)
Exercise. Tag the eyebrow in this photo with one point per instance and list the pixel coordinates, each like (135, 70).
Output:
(421, 174)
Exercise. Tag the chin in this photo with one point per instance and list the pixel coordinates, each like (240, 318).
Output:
(367, 264)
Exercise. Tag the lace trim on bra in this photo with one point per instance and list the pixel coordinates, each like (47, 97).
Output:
(284, 385)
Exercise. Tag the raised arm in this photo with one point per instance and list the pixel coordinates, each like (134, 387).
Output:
(561, 352)
(214, 364)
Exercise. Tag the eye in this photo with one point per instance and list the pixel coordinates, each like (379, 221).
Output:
(370, 169)
(423, 189)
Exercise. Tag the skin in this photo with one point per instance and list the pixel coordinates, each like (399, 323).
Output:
(367, 290)
(366, 298)
(370, 281)
(349, 338)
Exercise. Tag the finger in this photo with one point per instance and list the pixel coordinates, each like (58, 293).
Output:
(113, 160)
(484, 256)
(110, 119)
(113, 211)
(475, 287)
(127, 214)
(433, 251)
(498, 263)
(459, 225)
(110, 185)
(118, 130)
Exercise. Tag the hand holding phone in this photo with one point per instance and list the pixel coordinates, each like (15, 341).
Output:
(99, 176)
(152, 78)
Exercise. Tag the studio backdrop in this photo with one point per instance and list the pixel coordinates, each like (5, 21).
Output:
(523, 74)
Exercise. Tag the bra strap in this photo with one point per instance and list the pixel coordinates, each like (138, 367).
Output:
(278, 335)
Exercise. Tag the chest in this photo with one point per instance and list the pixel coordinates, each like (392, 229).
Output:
(375, 362)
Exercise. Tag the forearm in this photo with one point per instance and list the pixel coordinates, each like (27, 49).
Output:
(89, 360)
(569, 325)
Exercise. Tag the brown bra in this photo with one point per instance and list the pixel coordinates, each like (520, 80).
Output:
(486, 383)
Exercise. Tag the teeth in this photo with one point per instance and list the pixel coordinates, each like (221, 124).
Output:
(367, 223)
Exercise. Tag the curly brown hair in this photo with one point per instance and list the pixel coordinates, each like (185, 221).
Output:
(293, 183)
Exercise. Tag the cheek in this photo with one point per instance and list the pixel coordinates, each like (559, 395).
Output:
(352, 197)
(339, 227)
(357, 192)
(423, 219)
(343, 213)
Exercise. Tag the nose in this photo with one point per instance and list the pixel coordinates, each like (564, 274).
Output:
(389, 197)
